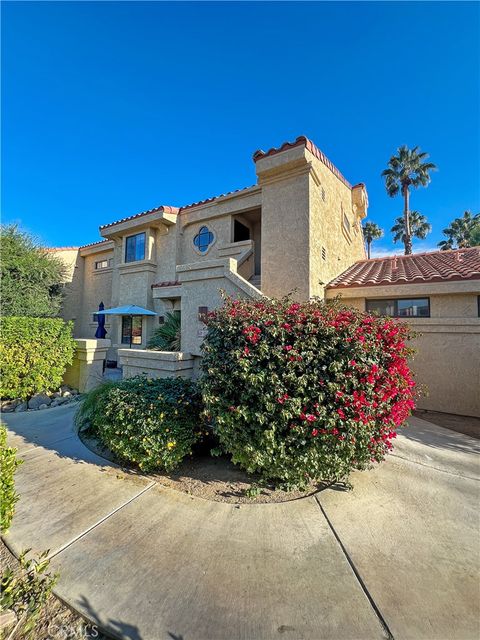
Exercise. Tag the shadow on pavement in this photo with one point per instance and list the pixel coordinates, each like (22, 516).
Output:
(115, 628)
(431, 435)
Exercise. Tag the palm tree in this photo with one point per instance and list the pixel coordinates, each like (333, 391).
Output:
(462, 233)
(419, 228)
(407, 170)
(168, 336)
(371, 232)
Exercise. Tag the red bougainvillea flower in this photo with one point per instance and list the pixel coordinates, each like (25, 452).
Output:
(344, 375)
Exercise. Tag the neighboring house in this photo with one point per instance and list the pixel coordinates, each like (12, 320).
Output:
(297, 231)
(438, 294)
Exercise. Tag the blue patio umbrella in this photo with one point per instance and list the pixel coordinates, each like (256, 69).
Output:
(101, 332)
(127, 310)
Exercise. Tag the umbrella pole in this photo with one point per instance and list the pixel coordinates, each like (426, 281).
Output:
(131, 330)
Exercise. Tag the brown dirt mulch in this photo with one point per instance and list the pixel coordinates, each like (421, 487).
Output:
(212, 478)
(56, 621)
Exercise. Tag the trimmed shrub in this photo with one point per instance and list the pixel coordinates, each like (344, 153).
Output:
(34, 353)
(301, 392)
(8, 465)
(152, 423)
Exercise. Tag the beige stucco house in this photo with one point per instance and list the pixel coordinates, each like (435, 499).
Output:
(297, 231)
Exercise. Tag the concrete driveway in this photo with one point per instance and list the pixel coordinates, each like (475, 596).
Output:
(396, 557)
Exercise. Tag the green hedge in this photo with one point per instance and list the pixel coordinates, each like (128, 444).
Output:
(152, 423)
(8, 464)
(34, 353)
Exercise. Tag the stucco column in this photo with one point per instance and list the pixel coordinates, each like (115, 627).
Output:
(86, 371)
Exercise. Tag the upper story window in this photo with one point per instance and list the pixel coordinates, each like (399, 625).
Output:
(401, 307)
(203, 240)
(135, 248)
(103, 264)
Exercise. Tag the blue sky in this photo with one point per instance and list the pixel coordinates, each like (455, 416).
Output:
(116, 107)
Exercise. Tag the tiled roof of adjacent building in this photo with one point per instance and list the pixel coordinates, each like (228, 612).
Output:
(165, 208)
(53, 249)
(437, 266)
(303, 140)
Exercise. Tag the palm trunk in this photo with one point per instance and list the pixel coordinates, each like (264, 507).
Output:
(369, 242)
(406, 219)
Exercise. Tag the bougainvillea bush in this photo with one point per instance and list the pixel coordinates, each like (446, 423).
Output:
(150, 423)
(305, 392)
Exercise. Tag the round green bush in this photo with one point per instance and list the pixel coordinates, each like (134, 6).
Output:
(34, 354)
(302, 392)
(152, 423)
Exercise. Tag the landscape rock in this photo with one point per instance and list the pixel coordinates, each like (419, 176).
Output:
(66, 394)
(43, 406)
(23, 406)
(7, 406)
(63, 400)
(37, 400)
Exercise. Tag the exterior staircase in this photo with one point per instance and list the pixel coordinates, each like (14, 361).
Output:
(256, 280)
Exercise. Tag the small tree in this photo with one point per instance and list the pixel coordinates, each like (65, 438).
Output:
(168, 336)
(31, 277)
(371, 232)
(419, 227)
(407, 170)
(462, 233)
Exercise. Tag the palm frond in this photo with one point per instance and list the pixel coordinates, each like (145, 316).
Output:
(168, 336)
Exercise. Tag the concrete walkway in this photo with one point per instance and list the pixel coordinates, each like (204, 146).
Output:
(396, 557)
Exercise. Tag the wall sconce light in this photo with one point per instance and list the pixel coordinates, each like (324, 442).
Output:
(202, 314)
(161, 319)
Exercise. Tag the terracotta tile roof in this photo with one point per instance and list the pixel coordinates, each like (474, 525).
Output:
(53, 249)
(207, 200)
(164, 208)
(167, 283)
(308, 144)
(437, 266)
(94, 244)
